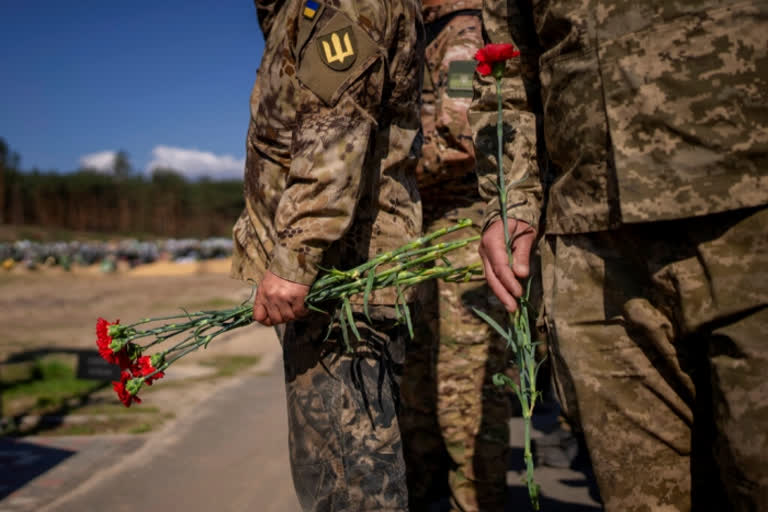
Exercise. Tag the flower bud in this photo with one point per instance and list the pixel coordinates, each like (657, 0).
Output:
(134, 385)
(115, 330)
(157, 360)
(117, 344)
(134, 351)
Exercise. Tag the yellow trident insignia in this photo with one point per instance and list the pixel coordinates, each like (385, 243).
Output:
(338, 49)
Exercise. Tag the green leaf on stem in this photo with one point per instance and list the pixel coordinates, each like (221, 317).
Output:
(504, 333)
(351, 318)
(344, 333)
(368, 290)
(499, 379)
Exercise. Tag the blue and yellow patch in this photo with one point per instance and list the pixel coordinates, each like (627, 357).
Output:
(310, 9)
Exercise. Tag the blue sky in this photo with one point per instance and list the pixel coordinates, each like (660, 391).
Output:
(168, 81)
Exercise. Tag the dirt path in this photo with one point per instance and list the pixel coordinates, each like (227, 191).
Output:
(57, 309)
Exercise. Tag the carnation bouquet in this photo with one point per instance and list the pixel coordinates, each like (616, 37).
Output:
(146, 349)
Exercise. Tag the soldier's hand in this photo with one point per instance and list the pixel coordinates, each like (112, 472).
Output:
(505, 281)
(279, 300)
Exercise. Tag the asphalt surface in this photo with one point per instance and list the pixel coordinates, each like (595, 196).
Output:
(229, 454)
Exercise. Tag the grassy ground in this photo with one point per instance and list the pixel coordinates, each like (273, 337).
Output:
(45, 395)
(45, 314)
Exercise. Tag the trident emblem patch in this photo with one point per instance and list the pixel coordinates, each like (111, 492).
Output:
(337, 49)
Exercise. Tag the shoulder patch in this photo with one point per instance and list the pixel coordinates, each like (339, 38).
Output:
(310, 9)
(338, 51)
(461, 74)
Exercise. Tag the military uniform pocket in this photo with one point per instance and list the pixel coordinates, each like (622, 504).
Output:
(314, 484)
(687, 104)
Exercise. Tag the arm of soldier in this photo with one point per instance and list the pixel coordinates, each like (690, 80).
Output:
(330, 143)
(520, 165)
(324, 182)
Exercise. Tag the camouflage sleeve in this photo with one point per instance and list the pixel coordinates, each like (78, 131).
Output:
(521, 170)
(447, 154)
(341, 79)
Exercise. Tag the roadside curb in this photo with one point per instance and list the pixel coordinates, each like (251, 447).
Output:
(46, 471)
(142, 454)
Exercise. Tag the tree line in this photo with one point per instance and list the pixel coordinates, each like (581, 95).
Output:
(120, 202)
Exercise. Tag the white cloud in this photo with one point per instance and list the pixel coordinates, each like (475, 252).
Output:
(195, 164)
(103, 161)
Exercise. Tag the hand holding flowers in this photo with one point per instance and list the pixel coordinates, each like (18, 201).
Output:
(503, 271)
(128, 345)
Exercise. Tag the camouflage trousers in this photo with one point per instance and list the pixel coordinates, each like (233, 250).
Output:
(660, 351)
(455, 421)
(344, 435)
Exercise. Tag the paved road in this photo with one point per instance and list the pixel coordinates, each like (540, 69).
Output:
(229, 455)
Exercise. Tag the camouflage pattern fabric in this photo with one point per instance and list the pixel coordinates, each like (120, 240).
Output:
(433, 10)
(452, 405)
(344, 436)
(649, 113)
(630, 120)
(661, 353)
(446, 167)
(332, 143)
(330, 181)
(455, 419)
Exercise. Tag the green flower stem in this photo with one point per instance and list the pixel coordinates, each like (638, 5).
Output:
(358, 285)
(521, 339)
(336, 275)
(164, 318)
(445, 273)
(502, 185)
(408, 265)
(526, 360)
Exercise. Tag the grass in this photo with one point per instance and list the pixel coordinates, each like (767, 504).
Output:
(49, 386)
(42, 387)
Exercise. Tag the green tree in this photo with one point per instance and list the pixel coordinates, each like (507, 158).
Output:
(121, 166)
(9, 165)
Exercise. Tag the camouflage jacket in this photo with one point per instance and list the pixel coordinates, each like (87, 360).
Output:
(433, 10)
(651, 110)
(332, 143)
(446, 168)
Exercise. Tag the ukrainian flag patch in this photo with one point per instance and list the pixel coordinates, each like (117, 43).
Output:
(310, 9)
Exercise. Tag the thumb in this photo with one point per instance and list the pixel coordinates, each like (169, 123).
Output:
(521, 248)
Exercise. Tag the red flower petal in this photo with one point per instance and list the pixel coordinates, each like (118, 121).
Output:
(484, 68)
(143, 368)
(122, 393)
(491, 54)
(103, 340)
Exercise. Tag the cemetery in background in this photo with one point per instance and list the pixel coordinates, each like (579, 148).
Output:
(84, 244)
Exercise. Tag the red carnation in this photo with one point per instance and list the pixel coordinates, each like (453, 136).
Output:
(492, 54)
(143, 368)
(122, 393)
(103, 340)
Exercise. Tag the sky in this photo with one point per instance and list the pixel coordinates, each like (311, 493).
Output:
(167, 81)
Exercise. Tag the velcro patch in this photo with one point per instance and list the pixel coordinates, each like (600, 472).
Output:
(461, 74)
(310, 9)
(338, 51)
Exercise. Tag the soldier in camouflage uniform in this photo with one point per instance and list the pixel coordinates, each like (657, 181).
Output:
(330, 182)
(452, 406)
(655, 116)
